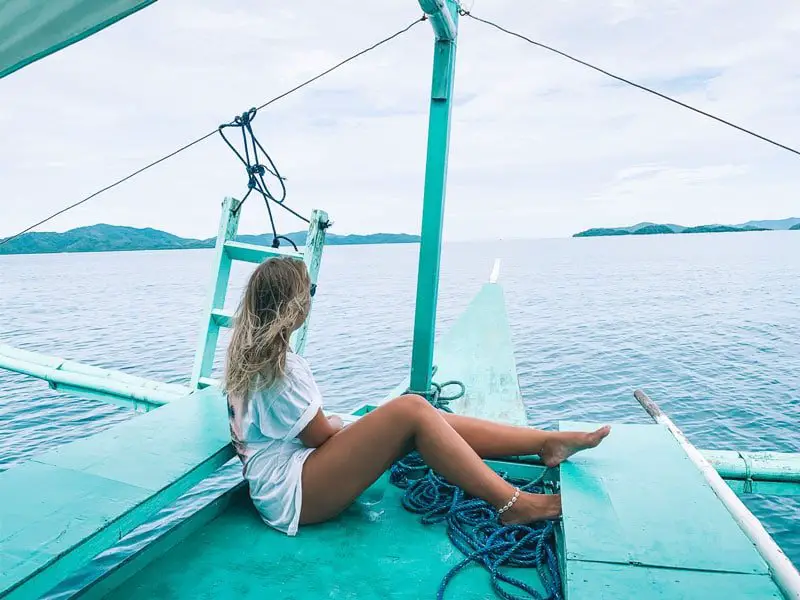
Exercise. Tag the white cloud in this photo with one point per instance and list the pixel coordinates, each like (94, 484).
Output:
(540, 146)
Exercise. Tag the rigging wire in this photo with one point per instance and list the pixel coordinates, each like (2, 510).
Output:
(466, 13)
(211, 133)
(463, 12)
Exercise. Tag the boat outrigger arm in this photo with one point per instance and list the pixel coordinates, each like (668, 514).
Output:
(765, 472)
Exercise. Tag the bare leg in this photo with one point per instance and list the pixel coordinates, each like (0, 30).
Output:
(495, 440)
(344, 466)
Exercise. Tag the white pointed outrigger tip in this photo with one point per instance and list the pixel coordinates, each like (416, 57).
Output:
(495, 271)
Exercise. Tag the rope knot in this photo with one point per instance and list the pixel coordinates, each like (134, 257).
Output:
(245, 118)
(435, 395)
(251, 158)
(257, 169)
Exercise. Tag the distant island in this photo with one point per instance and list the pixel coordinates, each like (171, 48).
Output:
(646, 228)
(109, 238)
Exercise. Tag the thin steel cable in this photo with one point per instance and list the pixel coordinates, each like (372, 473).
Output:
(211, 133)
(633, 83)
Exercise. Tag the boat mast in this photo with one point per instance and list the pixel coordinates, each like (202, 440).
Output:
(443, 16)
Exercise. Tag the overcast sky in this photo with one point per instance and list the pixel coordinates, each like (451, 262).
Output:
(540, 147)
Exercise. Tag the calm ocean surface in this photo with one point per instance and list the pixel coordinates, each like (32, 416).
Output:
(708, 325)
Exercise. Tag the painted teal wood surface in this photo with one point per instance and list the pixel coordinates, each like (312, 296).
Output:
(220, 274)
(375, 550)
(253, 253)
(638, 503)
(638, 498)
(94, 491)
(312, 257)
(440, 17)
(226, 251)
(222, 317)
(605, 581)
(62, 508)
(444, 59)
(478, 351)
(120, 572)
(104, 384)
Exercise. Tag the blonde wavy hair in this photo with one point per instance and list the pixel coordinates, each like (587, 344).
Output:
(275, 302)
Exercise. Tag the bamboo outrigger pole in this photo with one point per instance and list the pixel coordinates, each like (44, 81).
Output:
(443, 16)
(777, 467)
(782, 569)
(85, 380)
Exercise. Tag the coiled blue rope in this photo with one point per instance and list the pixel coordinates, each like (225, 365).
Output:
(435, 396)
(474, 527)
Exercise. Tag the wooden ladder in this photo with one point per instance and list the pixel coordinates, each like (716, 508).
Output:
(226, 251)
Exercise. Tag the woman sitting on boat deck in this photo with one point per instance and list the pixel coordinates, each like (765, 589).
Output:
(304, 467)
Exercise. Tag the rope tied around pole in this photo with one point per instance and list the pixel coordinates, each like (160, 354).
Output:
(475, 529)
(440, 400)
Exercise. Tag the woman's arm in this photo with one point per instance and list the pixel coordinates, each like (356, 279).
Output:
(320, 429)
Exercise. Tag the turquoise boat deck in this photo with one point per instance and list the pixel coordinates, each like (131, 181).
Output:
(639, 518)
(91, 493)
(375, 550)
(639, 521)
(63, 507)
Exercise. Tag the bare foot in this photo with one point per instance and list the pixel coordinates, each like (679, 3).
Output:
(532, 507)
(564, 444)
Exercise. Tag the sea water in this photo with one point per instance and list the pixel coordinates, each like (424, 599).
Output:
(708, 325)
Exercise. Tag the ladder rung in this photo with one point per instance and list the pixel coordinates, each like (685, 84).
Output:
(222, 318)
(205, 382)
(256, 254)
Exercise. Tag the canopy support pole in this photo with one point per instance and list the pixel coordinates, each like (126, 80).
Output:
(443, 15)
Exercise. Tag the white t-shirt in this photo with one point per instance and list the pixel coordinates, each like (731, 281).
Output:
(265, 438)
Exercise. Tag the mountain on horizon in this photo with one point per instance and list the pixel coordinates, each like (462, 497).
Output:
(649, 228)
(108, 238)
(675, 228)
(774, 223)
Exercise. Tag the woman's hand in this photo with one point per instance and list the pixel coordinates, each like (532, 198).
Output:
(336, 422)
(320, 429)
